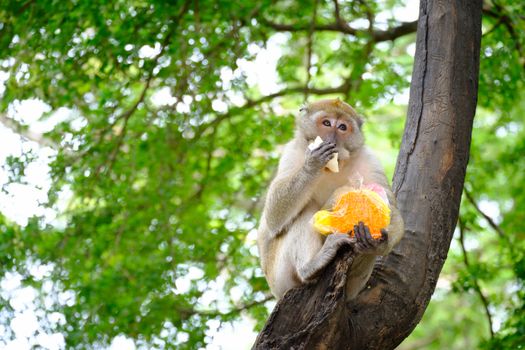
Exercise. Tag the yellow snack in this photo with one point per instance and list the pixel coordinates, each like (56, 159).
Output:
(333, 164)
(351, 207)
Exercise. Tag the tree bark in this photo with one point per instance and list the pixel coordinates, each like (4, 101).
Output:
(428, 183)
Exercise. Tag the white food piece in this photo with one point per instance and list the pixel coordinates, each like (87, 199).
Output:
(315, 144)
(333, 164)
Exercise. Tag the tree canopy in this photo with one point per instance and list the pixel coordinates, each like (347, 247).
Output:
(166, 133)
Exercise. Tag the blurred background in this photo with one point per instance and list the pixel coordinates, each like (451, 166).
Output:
(137, 139)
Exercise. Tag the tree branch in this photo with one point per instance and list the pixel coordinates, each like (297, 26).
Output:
(498, 12)
(25, 6)
(127, 114)
(477, 287)
(337, 13)
(487, 218)
(197, 195)
(341, 89)
(216, 313)
(341, 26)
(309, 49)
(24, 132)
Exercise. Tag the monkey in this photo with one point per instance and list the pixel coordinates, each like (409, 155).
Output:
(292, 253)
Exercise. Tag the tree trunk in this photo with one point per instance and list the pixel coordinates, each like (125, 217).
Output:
(428, 182)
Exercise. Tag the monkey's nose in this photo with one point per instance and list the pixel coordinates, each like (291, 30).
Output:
(331, 137)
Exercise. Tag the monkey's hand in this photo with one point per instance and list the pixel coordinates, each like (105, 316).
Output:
(366, 244)
(318, 157)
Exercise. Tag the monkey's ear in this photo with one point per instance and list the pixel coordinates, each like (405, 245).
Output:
(304, 109)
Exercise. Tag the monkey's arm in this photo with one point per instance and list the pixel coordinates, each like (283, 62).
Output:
(396, 229)
(294, 184)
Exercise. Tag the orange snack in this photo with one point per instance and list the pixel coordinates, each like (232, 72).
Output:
(350, 207)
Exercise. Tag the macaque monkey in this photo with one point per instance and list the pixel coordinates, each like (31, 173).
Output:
(292, 252)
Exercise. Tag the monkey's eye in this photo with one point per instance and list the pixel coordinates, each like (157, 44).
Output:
(342, 127)
(326, 122)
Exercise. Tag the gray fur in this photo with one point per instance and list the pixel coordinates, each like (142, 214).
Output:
(291, 252)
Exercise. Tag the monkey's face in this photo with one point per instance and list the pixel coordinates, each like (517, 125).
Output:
(341, 129)
(332, 120)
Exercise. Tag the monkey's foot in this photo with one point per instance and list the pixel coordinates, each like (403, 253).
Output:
(335, 241)
(365, 243)
(311, 270)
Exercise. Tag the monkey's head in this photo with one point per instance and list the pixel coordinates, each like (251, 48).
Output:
(332, 120)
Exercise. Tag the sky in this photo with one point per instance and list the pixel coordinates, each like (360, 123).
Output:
(22, 201)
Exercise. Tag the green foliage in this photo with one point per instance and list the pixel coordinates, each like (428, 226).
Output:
(156, 241)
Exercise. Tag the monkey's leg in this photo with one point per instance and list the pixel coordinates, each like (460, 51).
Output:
(309, 269)
(359, 274)
(367, 248)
